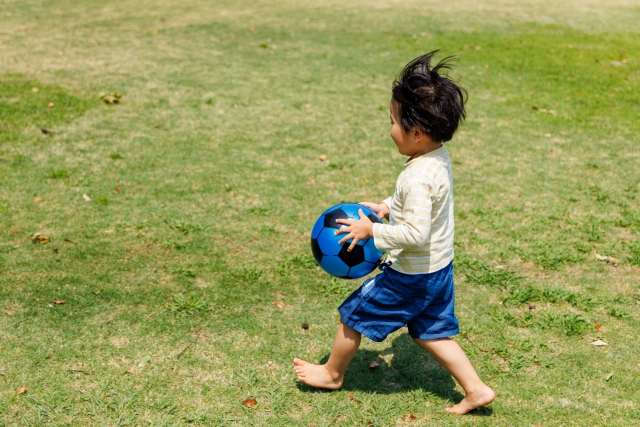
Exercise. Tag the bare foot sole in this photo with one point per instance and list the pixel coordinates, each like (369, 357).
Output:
(316, 375)
(472, 401)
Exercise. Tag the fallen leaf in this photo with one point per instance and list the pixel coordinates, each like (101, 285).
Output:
(34, 89)
(7, 312)
(49, 105)
(45, 131)
(117, 189)
(608, 259)
(59, 301)
(55, 250)
(532, 306)
(609, 375)
(154, 32)
(350, 396)
(86, 198)
(37, 199)
(373, 365)
(96, 292)
(598, 326)
(278, 304)
(250, 402)
(113, 98)
(410, 417)
(21, 390)
(39, 238)
(144, 361)
(305, 325)
(322, 157)
(599, 343)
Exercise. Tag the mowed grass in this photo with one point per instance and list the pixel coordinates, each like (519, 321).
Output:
(187, 277)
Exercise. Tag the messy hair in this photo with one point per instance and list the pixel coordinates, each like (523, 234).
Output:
(428, 99)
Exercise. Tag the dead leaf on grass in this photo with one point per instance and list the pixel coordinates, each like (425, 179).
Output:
(117, 189)
(45, 131)
(305, 325)
(608, 259)
(7, 312)
(373, 365)
(86, 198)
(113, 98)
(49, 105)
(599, 343)
(409, 417)
(144, 361)
(598, 326)
(350, 396)
(21, 390)
(322, 157)
(278, 304)
(59, 301)
(250, 402)
(39, 238)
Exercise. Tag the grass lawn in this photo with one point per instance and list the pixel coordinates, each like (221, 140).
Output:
(155, 267)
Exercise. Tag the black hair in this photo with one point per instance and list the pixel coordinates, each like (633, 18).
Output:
(429, 100)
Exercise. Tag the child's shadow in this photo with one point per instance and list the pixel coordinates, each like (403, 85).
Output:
(403, 366)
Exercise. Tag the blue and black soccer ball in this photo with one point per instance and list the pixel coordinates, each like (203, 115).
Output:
(334, 258)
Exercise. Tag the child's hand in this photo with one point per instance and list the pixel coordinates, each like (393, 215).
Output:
(358, 230)
(380, 209)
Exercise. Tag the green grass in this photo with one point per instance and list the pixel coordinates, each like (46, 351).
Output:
(188, 275)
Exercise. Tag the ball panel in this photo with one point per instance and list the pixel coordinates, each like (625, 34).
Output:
(317, 227)
(353, 258)
(330, 218)
(334, 266)
(361, 270)
(371, 253)
(316, 251)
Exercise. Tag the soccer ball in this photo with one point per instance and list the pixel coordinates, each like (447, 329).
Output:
(334, 258)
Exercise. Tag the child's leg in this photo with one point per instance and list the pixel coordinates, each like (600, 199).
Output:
(449, 354)
(331, 374)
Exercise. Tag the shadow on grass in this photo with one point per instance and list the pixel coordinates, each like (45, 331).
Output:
(410, 368)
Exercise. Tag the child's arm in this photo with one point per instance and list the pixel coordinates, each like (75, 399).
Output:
(415, 229)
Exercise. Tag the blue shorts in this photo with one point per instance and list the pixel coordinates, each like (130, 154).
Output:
(391, 300)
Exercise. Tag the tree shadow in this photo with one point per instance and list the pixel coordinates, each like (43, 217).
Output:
(402, 367)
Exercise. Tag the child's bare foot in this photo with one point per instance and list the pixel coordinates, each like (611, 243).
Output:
(317, 375)
(473, 400)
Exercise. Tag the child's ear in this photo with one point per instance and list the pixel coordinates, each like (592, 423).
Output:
(418, 135)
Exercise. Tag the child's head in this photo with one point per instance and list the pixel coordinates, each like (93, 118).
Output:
(427, 100)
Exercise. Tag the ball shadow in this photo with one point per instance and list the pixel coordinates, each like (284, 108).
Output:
(402, 367)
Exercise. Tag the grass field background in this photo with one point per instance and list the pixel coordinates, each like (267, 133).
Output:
(188, 274)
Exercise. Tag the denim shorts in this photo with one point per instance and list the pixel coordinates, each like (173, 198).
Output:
(391, 300)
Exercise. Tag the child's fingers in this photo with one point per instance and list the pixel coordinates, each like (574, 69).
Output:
(344, 221)
(344, 239)
(353, 244)
(343, 230)
(362, 215)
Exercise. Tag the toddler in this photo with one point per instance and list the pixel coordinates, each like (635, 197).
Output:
(416, 287)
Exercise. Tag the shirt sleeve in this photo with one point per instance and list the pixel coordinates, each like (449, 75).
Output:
(414, 231)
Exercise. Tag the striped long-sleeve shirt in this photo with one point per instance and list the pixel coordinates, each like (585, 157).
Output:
(419, 235)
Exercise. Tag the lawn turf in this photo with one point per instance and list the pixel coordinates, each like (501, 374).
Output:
(187, 276)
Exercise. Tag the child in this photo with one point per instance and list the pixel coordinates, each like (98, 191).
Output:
(416, 289)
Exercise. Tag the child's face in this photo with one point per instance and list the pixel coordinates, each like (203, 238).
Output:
(405, 141)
